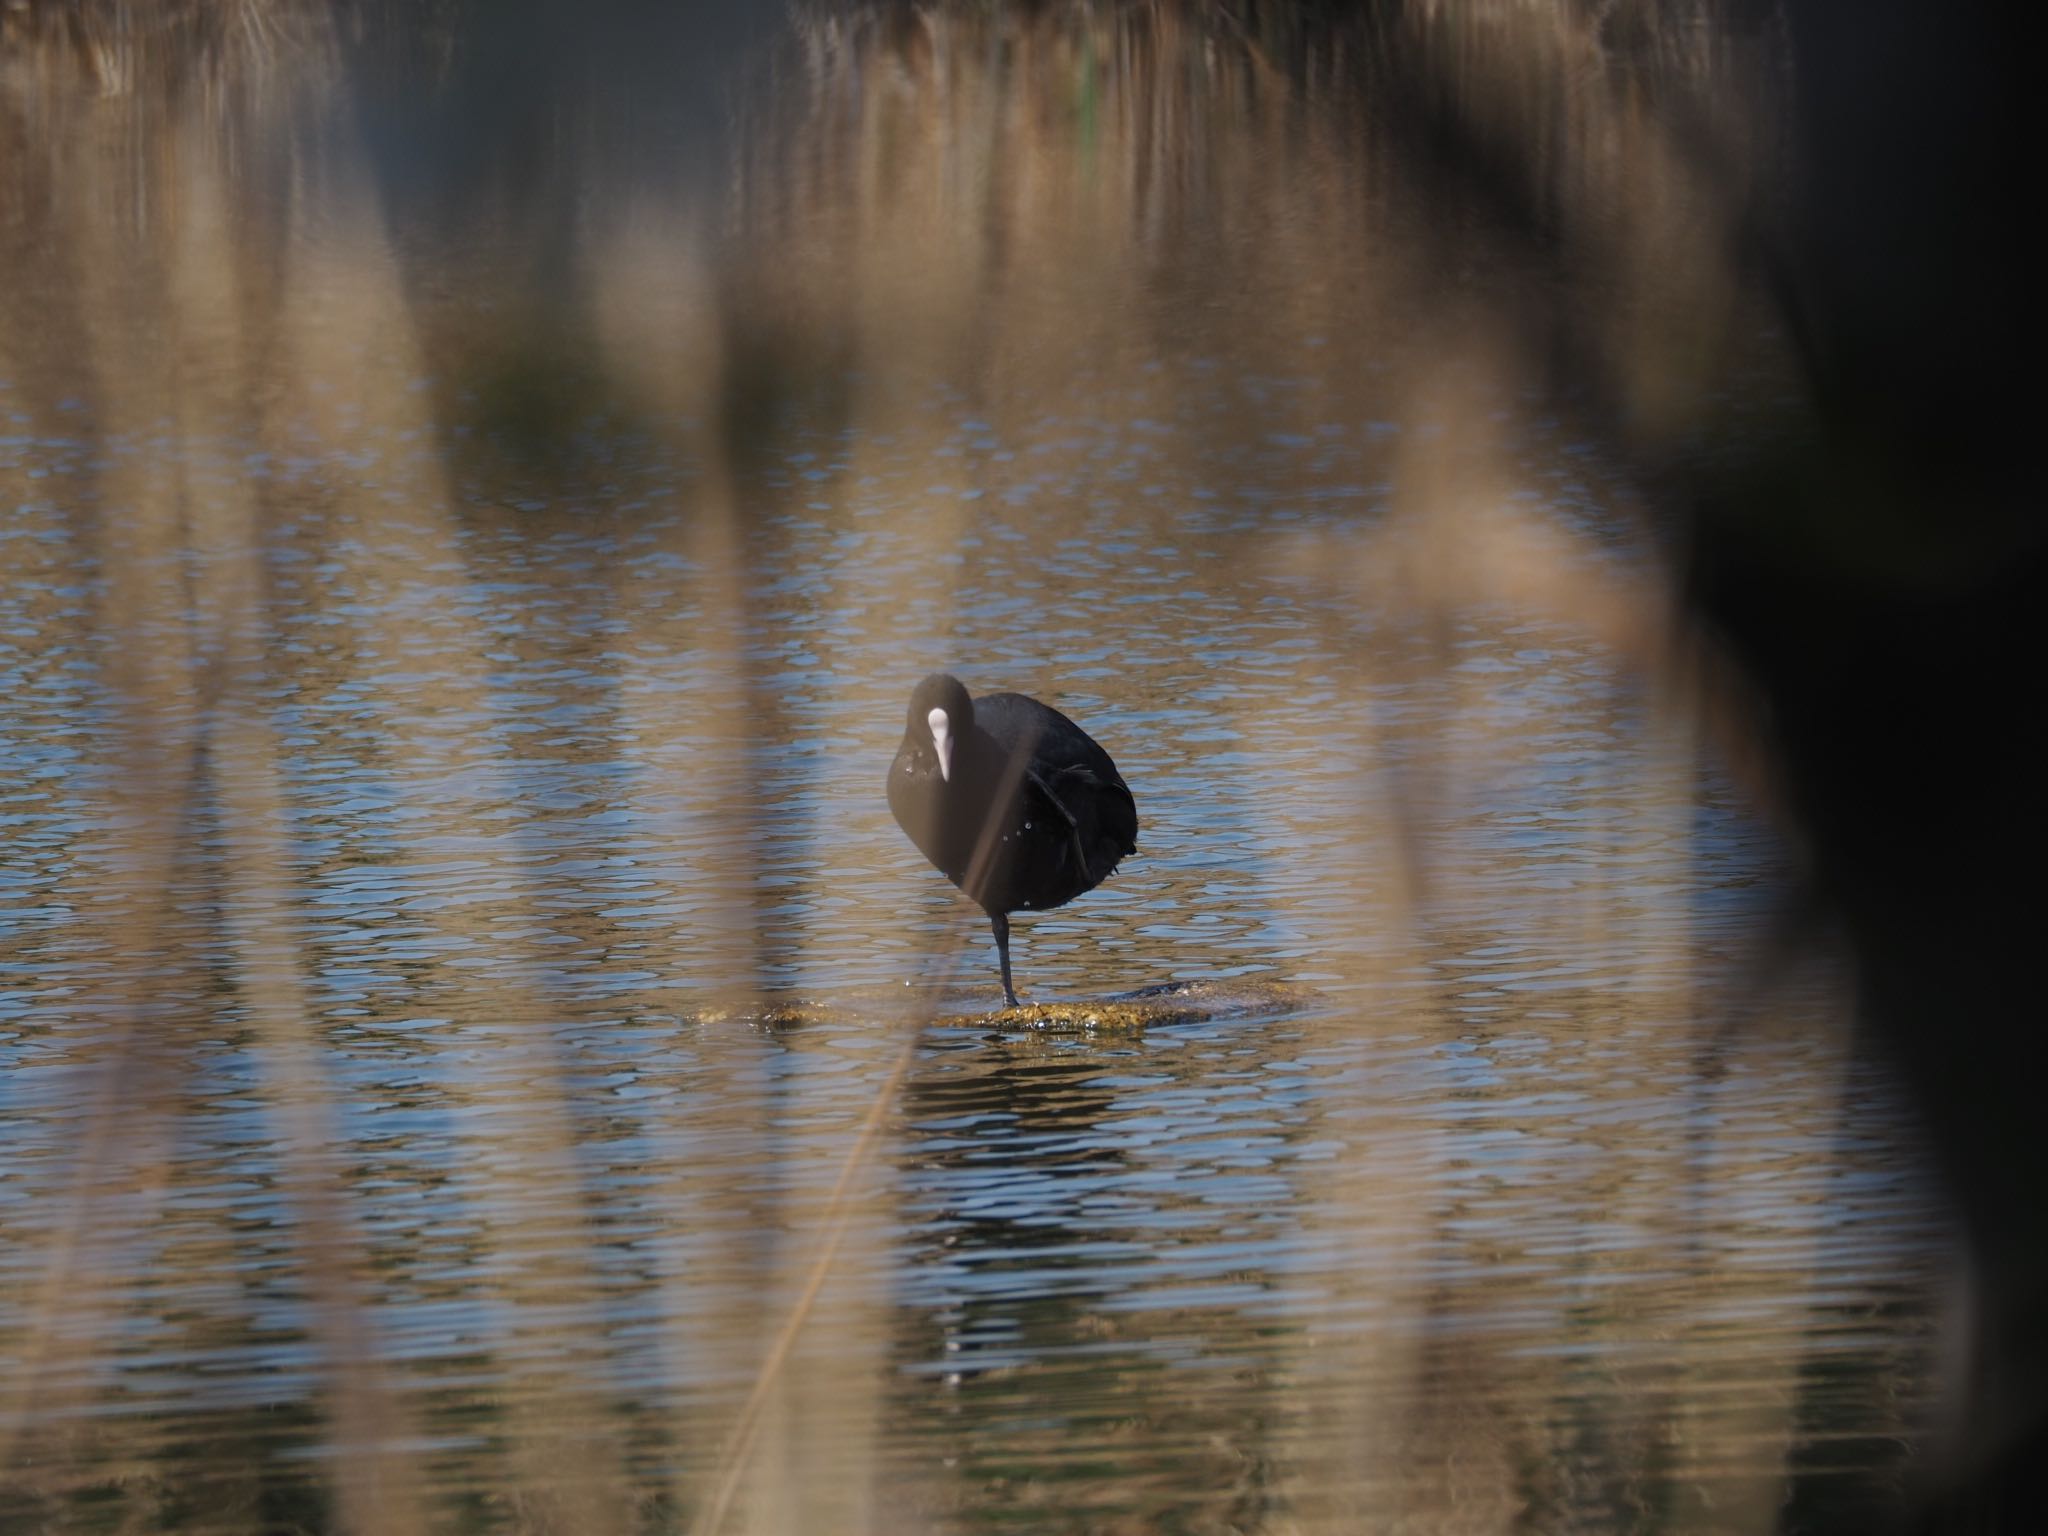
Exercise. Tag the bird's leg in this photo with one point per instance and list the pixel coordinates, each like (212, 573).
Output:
(1001, 923)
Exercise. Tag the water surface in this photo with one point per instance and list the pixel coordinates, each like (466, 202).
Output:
(451, 654)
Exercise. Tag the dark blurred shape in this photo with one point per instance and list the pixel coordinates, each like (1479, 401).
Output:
(1880, 579)
(1872, 558)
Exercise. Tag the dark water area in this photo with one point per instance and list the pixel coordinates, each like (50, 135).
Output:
(476, 1052)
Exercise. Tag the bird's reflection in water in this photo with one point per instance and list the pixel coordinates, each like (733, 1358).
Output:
(1037, 1275)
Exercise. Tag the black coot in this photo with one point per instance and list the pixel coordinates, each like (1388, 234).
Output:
(1011, 799)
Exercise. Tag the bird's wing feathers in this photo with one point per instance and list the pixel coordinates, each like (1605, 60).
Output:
(1111, 826)
(1050, 796)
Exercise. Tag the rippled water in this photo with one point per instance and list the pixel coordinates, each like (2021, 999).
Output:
(414, 842)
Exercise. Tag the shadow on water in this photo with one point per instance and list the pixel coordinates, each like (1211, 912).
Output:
(475, 487)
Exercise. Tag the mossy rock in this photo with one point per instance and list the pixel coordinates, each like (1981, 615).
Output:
(1174, 1002)
(1177, 1002)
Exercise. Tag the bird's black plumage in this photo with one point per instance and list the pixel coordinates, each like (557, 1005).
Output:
(1014, 803)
